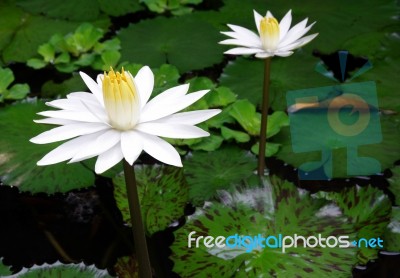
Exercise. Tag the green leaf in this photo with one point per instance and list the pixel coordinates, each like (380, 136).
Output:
(163, 194)
(10, 20)
(208, 172)
(18, 156)
(369, 209)
(238, 136)
(62, 270)
(36, 63)
(391, 237)
(193, 45)
(50, 89)
(386, 152)
(245, 78)
(166, 76)
(75, 10)
(209, 143)
(4, 270)
(18, 91)
(127, 267)
(120, 7)
(394, 184)
(276, 121)
(47, 51)
(110, 58)
(6, 78)
(270, 148)
(84, 38)
(273, 209)
(220, 97)
(63, 58)
(244, 112)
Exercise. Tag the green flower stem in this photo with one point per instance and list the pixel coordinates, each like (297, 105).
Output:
(264, 117)
(139, 234)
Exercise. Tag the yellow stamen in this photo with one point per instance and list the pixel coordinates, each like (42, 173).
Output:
(269, 33)
(121, 99)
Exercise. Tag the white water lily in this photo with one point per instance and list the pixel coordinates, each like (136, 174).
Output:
(117, 121)
(273, 39)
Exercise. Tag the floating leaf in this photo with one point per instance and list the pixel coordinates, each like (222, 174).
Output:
(187, 49)
(17, 91)
(391, 238)
(163, 195)
(386, 152)
(245, 78)
(394, 184)
(270, 148)
(369, 209)
(127, 267)
(238, 136)
(207, 173)
(62, 270)
(244, 112)
(4, 270)
(18, 156)
(73, 84)
(209, 143)
(277, 208)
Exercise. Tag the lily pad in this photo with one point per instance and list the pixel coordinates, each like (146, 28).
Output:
(4, 270)
(163, 194)
(276, 208)
(370, 210)
(394, 184)
(245, 78)
(192, 46)
(18, 156)
(386, 152)
(208, 172)
(62, 270)
(392, 232)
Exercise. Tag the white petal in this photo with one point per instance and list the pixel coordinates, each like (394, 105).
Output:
(101, 144)
(173, 93)
(159, 108)
(93, 87)
(190, 118)
(55, 121)
(108, 159)
(264, 55)
(80, 116)
(299, 43)
(99, 80)
(257, 19)
(283, 53)
(64, 103)
(82, 95)
(160, 150)
(97, 111)
(284, 25)
(131, 145)
(68, 149)
(269, 14)
(144, 80)
(243, 51)
(67, 132)
(172, 130)
(295, 33)
(245, 34)
(239, 43)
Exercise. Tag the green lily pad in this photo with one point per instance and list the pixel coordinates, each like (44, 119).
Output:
(73, 84)
(392, 232)
(394, 184)
(208, 172)
(244, 112)
(208, 144)
(62, 270)
(18, 156)
(245, 78)
(238, 136)
(4, 270)
(193, 45)
(386, 152)
(10, 19)
(276, 208)
(15, 92)
(163, 194)
(370, 210)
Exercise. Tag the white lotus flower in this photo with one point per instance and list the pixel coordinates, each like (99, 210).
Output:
(118, 121)
(273, 39)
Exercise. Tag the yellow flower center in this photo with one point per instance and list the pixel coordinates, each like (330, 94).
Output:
(269, 33)
(121, 99)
